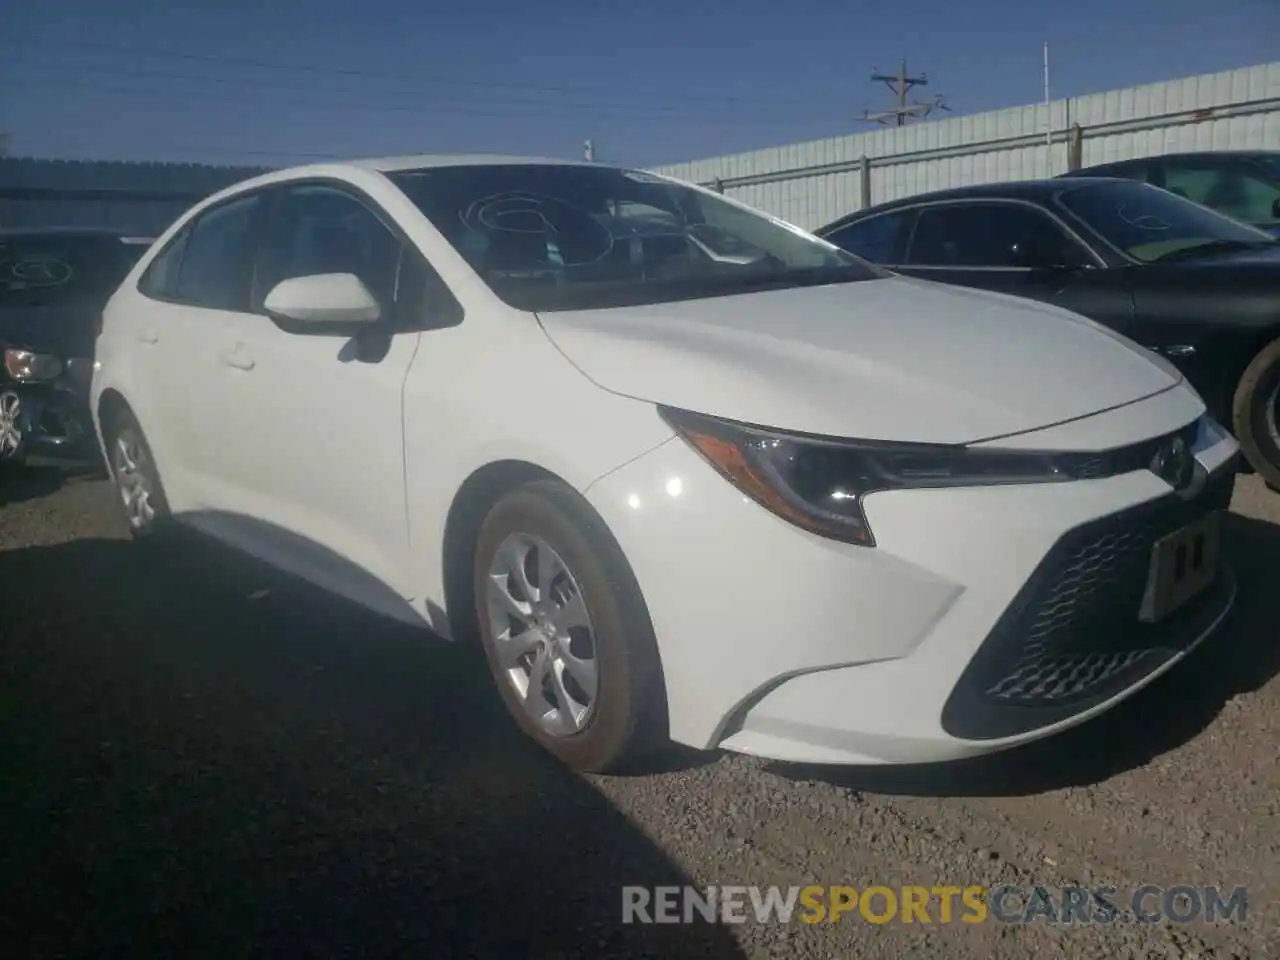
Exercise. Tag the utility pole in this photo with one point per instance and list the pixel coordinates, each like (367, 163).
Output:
(1048, 110)
(1048, 118)
(901, 85)
(588, 151)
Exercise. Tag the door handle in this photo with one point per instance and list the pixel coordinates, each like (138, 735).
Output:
(239, 361)
(149, 336)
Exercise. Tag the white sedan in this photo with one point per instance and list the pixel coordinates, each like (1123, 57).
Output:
(687, 472)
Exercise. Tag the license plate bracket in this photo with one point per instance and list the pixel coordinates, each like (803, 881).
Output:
(1183, 564)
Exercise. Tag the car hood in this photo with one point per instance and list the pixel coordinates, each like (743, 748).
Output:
(892, 359)
(67, 331)
(1265, 257)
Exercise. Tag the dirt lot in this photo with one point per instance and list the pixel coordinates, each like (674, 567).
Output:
(200, 759)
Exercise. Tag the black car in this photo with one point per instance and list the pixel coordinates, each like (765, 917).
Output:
(1200, 288)
(1244, 184)
(53, 287)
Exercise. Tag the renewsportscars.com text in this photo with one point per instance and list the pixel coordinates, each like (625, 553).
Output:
(940, 904)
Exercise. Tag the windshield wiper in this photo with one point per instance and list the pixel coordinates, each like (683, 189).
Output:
(1212, 247)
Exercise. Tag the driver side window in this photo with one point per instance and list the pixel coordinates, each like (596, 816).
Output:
(991, 235)
(319, 229)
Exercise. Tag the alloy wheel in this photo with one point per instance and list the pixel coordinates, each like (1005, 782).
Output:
(542, 634)
(10, 431)
(131, 466)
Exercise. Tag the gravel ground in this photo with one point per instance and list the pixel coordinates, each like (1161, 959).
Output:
(199, 758)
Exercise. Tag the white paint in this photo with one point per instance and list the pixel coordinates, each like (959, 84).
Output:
(344, 472)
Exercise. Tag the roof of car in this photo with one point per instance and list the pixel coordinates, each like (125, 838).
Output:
(424, 160)
(1014, 189)
(1184, 154)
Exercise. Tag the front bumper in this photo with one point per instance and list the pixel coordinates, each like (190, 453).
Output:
(778, 643)
(54, 416)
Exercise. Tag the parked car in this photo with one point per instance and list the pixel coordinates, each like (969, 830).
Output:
(1200, 288)
(1242, 184)
(53, 286)
(686, 471)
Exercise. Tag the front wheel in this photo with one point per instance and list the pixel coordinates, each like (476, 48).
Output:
(1256, 413)
(12, 447)
(137, 482)
(565, 630)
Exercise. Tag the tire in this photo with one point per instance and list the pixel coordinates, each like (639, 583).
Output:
(126, 442)
(1253, 413)
(625, 720)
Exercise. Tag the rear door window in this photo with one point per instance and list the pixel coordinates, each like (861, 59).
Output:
(218, 256)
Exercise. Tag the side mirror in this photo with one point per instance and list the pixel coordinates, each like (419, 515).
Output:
(332, 304)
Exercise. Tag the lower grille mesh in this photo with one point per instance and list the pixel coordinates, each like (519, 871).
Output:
(1073, 636)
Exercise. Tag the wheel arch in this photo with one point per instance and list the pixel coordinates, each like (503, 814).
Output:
(1257, 341)
(470, 505)
(111, 404)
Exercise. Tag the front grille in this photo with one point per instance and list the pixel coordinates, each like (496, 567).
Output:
(1072, 637)
(1135, 456)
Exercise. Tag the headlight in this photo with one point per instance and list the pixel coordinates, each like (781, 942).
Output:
(818, 483)
(25, 365)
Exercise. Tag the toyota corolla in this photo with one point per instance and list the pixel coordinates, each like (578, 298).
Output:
(685, 471)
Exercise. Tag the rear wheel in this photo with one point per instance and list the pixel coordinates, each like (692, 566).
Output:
(137, 482)
(1256, 413)
(566, 632)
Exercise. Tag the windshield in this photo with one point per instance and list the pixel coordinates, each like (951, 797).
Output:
(1270, 162)
(562, 237)
(1150, 224)
(49, 269)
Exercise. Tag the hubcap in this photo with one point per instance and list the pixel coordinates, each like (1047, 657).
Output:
(10, 432)
(542, 634)
(129, 462)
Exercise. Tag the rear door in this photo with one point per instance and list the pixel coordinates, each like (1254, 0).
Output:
(190, 295)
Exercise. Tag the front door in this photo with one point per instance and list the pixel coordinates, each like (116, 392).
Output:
(1018, 249)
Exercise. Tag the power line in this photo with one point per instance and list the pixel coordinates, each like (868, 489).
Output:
(492, 110)
(416, 78)
(612, 107)
(161, 154)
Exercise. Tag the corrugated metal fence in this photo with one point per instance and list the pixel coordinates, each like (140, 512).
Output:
(810, 184)
(134, 198)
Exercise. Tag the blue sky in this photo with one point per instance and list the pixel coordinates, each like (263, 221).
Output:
(247, 81)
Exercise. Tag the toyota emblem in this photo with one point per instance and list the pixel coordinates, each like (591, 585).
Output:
(1174, 464)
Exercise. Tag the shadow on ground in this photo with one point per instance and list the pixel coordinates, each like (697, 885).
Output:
(193, 767)
(1242, 657)
(20, 483)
